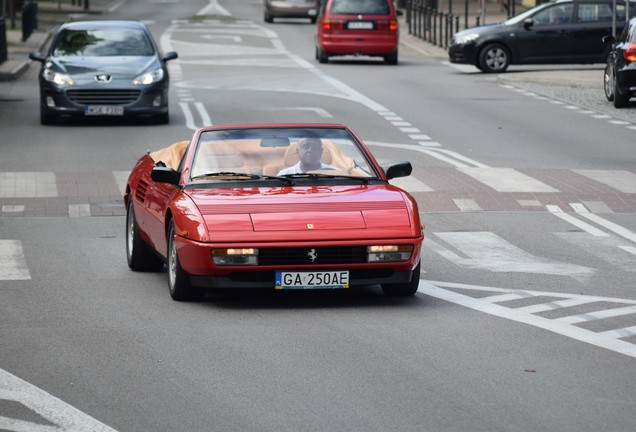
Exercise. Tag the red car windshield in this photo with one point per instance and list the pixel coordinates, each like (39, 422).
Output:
(279, 152)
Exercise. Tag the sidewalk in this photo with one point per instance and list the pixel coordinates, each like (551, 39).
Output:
(50, 15)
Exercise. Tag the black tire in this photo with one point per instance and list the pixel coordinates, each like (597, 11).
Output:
(321, 56)
(494, 58)
(391, 59)
(268, 18)
(139, 255)
(178, 282)
(404, 289)
(608, 83)
(620, 100)
(313, 20)
(47, 119)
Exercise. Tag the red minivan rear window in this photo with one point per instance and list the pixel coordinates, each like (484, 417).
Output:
(364, 7)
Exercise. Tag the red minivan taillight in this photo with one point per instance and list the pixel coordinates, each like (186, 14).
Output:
(630, 52)
(390, 25)
(331, 24)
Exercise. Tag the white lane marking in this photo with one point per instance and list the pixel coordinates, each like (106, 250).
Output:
(28, 185)
(233, 38)
(188, 116)
(486, 250)
(321, 112)
(608, 340)
(556, 210)
(529, 203)
(12, 261)
(410, 184)
(436, 155)
(507, 180)
(603, 248)
(554, 305)
(443, 155)
(617, 229)
(417, 137)
(466, 204)
(597, 315)
(205, 118)
(597, 207)
(462, 158)
(630, 249)
(65, 417)
(213, 8)
(12, 208)
(620, 333)
(623, 181)
(79, 210)
(121, 178)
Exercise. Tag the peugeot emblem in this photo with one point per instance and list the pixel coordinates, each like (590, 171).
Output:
(103, 78)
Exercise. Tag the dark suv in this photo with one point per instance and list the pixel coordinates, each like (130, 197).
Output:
(558, 32)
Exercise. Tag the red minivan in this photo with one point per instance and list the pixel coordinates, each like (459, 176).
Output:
(357, 27)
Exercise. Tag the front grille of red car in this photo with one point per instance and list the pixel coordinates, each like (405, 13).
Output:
(321, 255)
(103, 97)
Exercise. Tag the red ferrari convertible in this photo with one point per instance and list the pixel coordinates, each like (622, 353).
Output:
(288, 206)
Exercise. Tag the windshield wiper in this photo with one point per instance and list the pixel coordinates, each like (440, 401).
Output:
(227, 174)
(364, 180)
(245, 175)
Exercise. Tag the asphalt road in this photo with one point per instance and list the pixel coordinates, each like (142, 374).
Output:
(525, 319)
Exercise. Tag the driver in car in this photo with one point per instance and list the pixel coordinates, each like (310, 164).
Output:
(309, 153)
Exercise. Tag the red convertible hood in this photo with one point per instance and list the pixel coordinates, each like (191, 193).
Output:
(304, 213)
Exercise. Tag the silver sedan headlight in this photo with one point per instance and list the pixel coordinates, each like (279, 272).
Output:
(150, 77)
(57, 78)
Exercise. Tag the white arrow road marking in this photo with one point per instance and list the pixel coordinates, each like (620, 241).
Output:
(12, 261)
(213, 8)
(486, 250)
(610, 340)
(65, 417)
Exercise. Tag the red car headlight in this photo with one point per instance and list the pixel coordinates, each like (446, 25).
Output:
(235, 256)
(389, 253)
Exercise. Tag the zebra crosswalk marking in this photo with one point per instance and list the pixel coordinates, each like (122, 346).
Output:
(12, 261)
(611, 340)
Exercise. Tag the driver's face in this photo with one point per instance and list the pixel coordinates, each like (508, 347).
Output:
(310, 150)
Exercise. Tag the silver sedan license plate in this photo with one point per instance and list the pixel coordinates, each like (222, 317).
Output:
(334, 279)
(104, 110)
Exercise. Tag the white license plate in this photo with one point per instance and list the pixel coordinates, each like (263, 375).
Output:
(312, 280)
(360, 25)
(104, 110)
